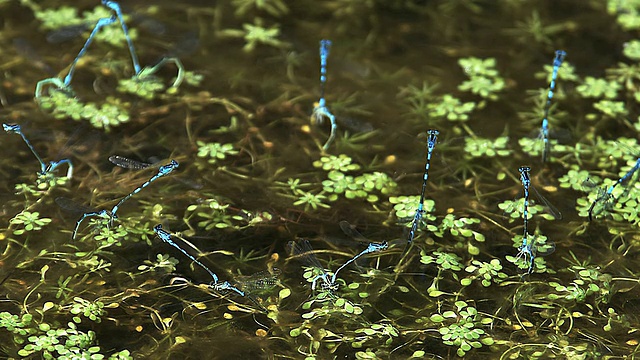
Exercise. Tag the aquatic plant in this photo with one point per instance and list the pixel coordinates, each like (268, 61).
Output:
(540, 245)
(488, 273)
(452, 279)
(50, 342)
(88, 309)
(459, 229)
(484, 79)
(338, 183)
(213, 214)
(163, 263)
(311, 201)
(598, 88)
(341, 163)
(514, 209)
(462, 328)
(404, 206)
(146, 85)
(272, 7)
(255, 34)
(534, 29)
(418, 100)
(627, 12)
(28, 221)
(215, 151)
(478, 147)
(446, 263)
(450, 108)
(110, 114)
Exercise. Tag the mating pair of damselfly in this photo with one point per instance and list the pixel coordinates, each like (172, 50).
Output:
(244, 287)
(111, 215)
(317, 274)
(139, 73)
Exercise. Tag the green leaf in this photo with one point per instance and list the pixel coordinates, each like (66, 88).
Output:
(487, 341)
(449, 314)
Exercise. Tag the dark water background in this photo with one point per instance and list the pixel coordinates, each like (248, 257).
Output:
(379, 48)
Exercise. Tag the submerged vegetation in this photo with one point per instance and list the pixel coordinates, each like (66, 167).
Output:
(265, 257)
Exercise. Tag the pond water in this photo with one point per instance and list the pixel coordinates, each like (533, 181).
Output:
(276, 243)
